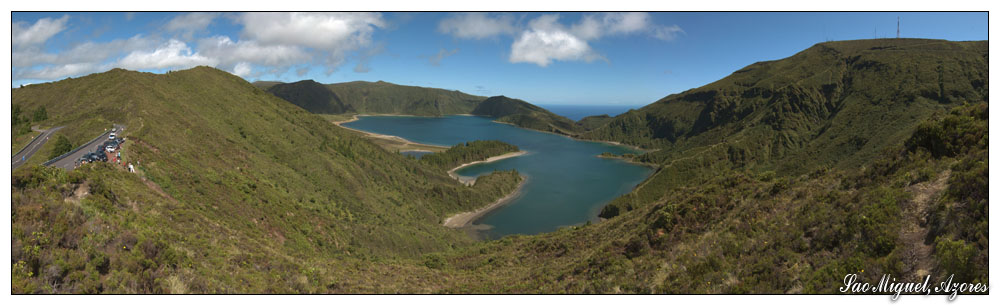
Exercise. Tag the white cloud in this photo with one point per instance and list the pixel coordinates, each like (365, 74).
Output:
(477, 25)
(57, 72)
(228, 52)
(327, 38)
(435, 60)
(542, 47)
(190, 23)
(24, 36)
(598, 25)
(334, 32)
(547, 40)
(667, 32)
(242, 69)
(173, 54)
(85, 58)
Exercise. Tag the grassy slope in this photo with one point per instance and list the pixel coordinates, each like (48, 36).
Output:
(593, 122)
(240, 192)
(374, 98)
(387, 98)
(311, 96)
(759, 232)
(826, 102)
(526, 115)
(783, 178)
(706, 222)
(835, 105)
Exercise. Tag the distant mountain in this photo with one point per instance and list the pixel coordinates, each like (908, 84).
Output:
(593, 122)
(526, 115)
(266, 84)
(312, 96)
(375, 98)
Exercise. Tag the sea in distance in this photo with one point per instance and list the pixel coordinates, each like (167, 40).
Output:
(567, 184)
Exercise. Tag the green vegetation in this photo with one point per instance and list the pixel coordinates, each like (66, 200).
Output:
(866, 157)
(266, 84)
(313, 97)
(20, 122)
(593, 122)
(374, 98)
(526, 115)
(60, 146)
(240, 192)
(468, 152)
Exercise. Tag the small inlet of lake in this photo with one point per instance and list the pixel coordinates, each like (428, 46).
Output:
(567, 184)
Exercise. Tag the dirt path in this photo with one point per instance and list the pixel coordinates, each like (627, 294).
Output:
(917, 252)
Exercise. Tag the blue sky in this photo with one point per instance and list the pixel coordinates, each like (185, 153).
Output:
(543, 58)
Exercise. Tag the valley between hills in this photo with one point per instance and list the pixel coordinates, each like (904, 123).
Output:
(866, 156)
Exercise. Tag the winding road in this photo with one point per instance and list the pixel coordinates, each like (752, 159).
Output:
(22, 156)
(68, 161)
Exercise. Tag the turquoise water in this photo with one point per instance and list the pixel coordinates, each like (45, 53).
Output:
(567, 183)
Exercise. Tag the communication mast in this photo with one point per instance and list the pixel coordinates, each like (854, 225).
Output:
(897, 27)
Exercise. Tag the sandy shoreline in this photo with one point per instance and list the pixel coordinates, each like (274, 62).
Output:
(383, 136)
(464, 219)
(468, 181)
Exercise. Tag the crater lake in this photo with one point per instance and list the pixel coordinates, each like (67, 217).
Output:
(567, 184)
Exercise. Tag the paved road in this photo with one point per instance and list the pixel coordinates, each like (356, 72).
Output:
(21, 157)
(69, 162)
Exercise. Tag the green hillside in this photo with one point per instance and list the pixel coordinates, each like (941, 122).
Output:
(266, 84)
(828, 105)
(237, 191)
(375, 98)
(312, 96)
(867, 157)
(526, 115)
(593, 122)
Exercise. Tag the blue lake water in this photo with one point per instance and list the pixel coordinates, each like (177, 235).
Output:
(567, 183)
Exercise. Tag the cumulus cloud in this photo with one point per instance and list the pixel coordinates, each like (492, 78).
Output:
(23, 35)
(189, 24)
(55, 72)
(477, 25)
(333, 32)
(173, 54)
(269, 43)
(598, 25)
(85, 58)
(435, 60)
(242, 69)
(229, 52)
(547, 40)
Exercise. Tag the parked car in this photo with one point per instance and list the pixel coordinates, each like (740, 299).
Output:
(110, 148)
(112, 135)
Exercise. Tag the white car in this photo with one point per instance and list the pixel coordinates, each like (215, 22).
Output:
(110, 148)
(112, 136)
